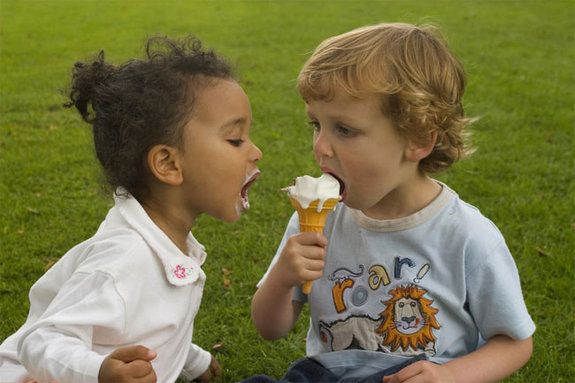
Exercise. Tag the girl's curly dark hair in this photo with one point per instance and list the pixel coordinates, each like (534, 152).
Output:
(142, 103)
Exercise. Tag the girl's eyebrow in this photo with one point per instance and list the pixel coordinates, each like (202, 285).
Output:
(241, 121)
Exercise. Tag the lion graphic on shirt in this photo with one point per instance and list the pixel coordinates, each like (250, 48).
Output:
(408, 321)
(353, 332)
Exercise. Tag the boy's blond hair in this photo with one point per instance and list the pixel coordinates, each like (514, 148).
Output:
(420, 81)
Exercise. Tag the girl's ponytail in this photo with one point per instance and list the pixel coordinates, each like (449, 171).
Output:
(87, 79)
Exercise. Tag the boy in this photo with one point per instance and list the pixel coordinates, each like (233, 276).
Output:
(413, 279)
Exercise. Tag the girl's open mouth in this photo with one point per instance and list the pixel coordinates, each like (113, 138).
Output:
(250, 179)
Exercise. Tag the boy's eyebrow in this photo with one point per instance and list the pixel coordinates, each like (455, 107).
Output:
(343, 119)
(309, 114)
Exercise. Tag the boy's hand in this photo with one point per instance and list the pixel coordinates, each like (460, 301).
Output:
(211, 373)
(302, 259)
(127, 365)
(421, 372)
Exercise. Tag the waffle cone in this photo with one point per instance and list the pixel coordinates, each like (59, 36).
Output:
(310, 219)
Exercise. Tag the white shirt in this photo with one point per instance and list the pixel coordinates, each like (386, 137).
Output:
(127, 285)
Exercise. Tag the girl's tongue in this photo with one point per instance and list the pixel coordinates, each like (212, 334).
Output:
(245, 189)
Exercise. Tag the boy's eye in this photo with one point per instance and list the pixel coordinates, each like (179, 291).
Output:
(236, 142)
(344, 131)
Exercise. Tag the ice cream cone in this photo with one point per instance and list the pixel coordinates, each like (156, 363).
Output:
(312, 220)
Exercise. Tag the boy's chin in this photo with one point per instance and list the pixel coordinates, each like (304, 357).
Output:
(353, 204)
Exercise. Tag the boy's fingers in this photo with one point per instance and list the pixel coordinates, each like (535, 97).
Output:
(405, 373)
(131, 353)
(314, 254)
(314, 264)
(312, 239)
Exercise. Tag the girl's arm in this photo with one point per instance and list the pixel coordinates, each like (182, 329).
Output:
(198, 363)
(498, 358)
(301, 259)
(58, 345)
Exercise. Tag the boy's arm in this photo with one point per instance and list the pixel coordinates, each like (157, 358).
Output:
(274, 313)
(301, 259)
(498, 358)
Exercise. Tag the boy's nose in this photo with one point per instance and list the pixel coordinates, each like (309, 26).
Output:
(322, 146)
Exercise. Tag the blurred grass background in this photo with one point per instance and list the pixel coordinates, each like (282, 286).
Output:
(519, 58)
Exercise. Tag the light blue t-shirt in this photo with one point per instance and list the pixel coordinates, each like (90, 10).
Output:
(436, 282)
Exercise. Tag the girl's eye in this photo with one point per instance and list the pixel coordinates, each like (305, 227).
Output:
(314, 125)
(237, 142)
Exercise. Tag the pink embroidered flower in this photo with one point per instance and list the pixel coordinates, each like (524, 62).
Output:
(180, 271)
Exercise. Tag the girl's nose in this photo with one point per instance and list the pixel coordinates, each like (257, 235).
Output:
(256, 154)
(321, 145)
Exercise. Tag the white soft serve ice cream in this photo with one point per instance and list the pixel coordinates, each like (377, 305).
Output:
(308, 189)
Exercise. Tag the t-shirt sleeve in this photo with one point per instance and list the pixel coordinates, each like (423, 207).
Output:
(494, 295)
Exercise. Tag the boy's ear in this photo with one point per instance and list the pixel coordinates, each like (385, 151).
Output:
(164, 164)
(416, 152)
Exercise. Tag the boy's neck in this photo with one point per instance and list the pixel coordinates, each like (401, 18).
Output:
(406, 200)
(171, 220)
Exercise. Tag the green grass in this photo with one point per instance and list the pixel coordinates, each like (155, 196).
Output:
(518, 56)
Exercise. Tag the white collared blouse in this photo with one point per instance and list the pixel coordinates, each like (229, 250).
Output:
(127, 285)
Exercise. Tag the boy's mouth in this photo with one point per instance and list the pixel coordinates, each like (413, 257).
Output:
(250, 179)
(341, 186)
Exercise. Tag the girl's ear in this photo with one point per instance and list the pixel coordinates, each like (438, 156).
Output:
(416, 152)
(164, 164)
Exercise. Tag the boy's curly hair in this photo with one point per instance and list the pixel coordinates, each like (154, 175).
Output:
(142, 103)
(420, 81)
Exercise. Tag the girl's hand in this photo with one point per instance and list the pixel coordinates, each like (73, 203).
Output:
(302, 259)
(211, 373)
(421, 372)
(128, 364)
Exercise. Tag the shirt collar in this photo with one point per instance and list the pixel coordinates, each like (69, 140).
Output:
(181, 269)
(413, 220)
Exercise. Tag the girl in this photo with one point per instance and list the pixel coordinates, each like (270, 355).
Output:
(172, 135)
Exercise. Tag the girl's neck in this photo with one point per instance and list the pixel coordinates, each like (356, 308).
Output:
(170, 220)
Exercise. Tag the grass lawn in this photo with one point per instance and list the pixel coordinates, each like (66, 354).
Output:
(519, 58)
